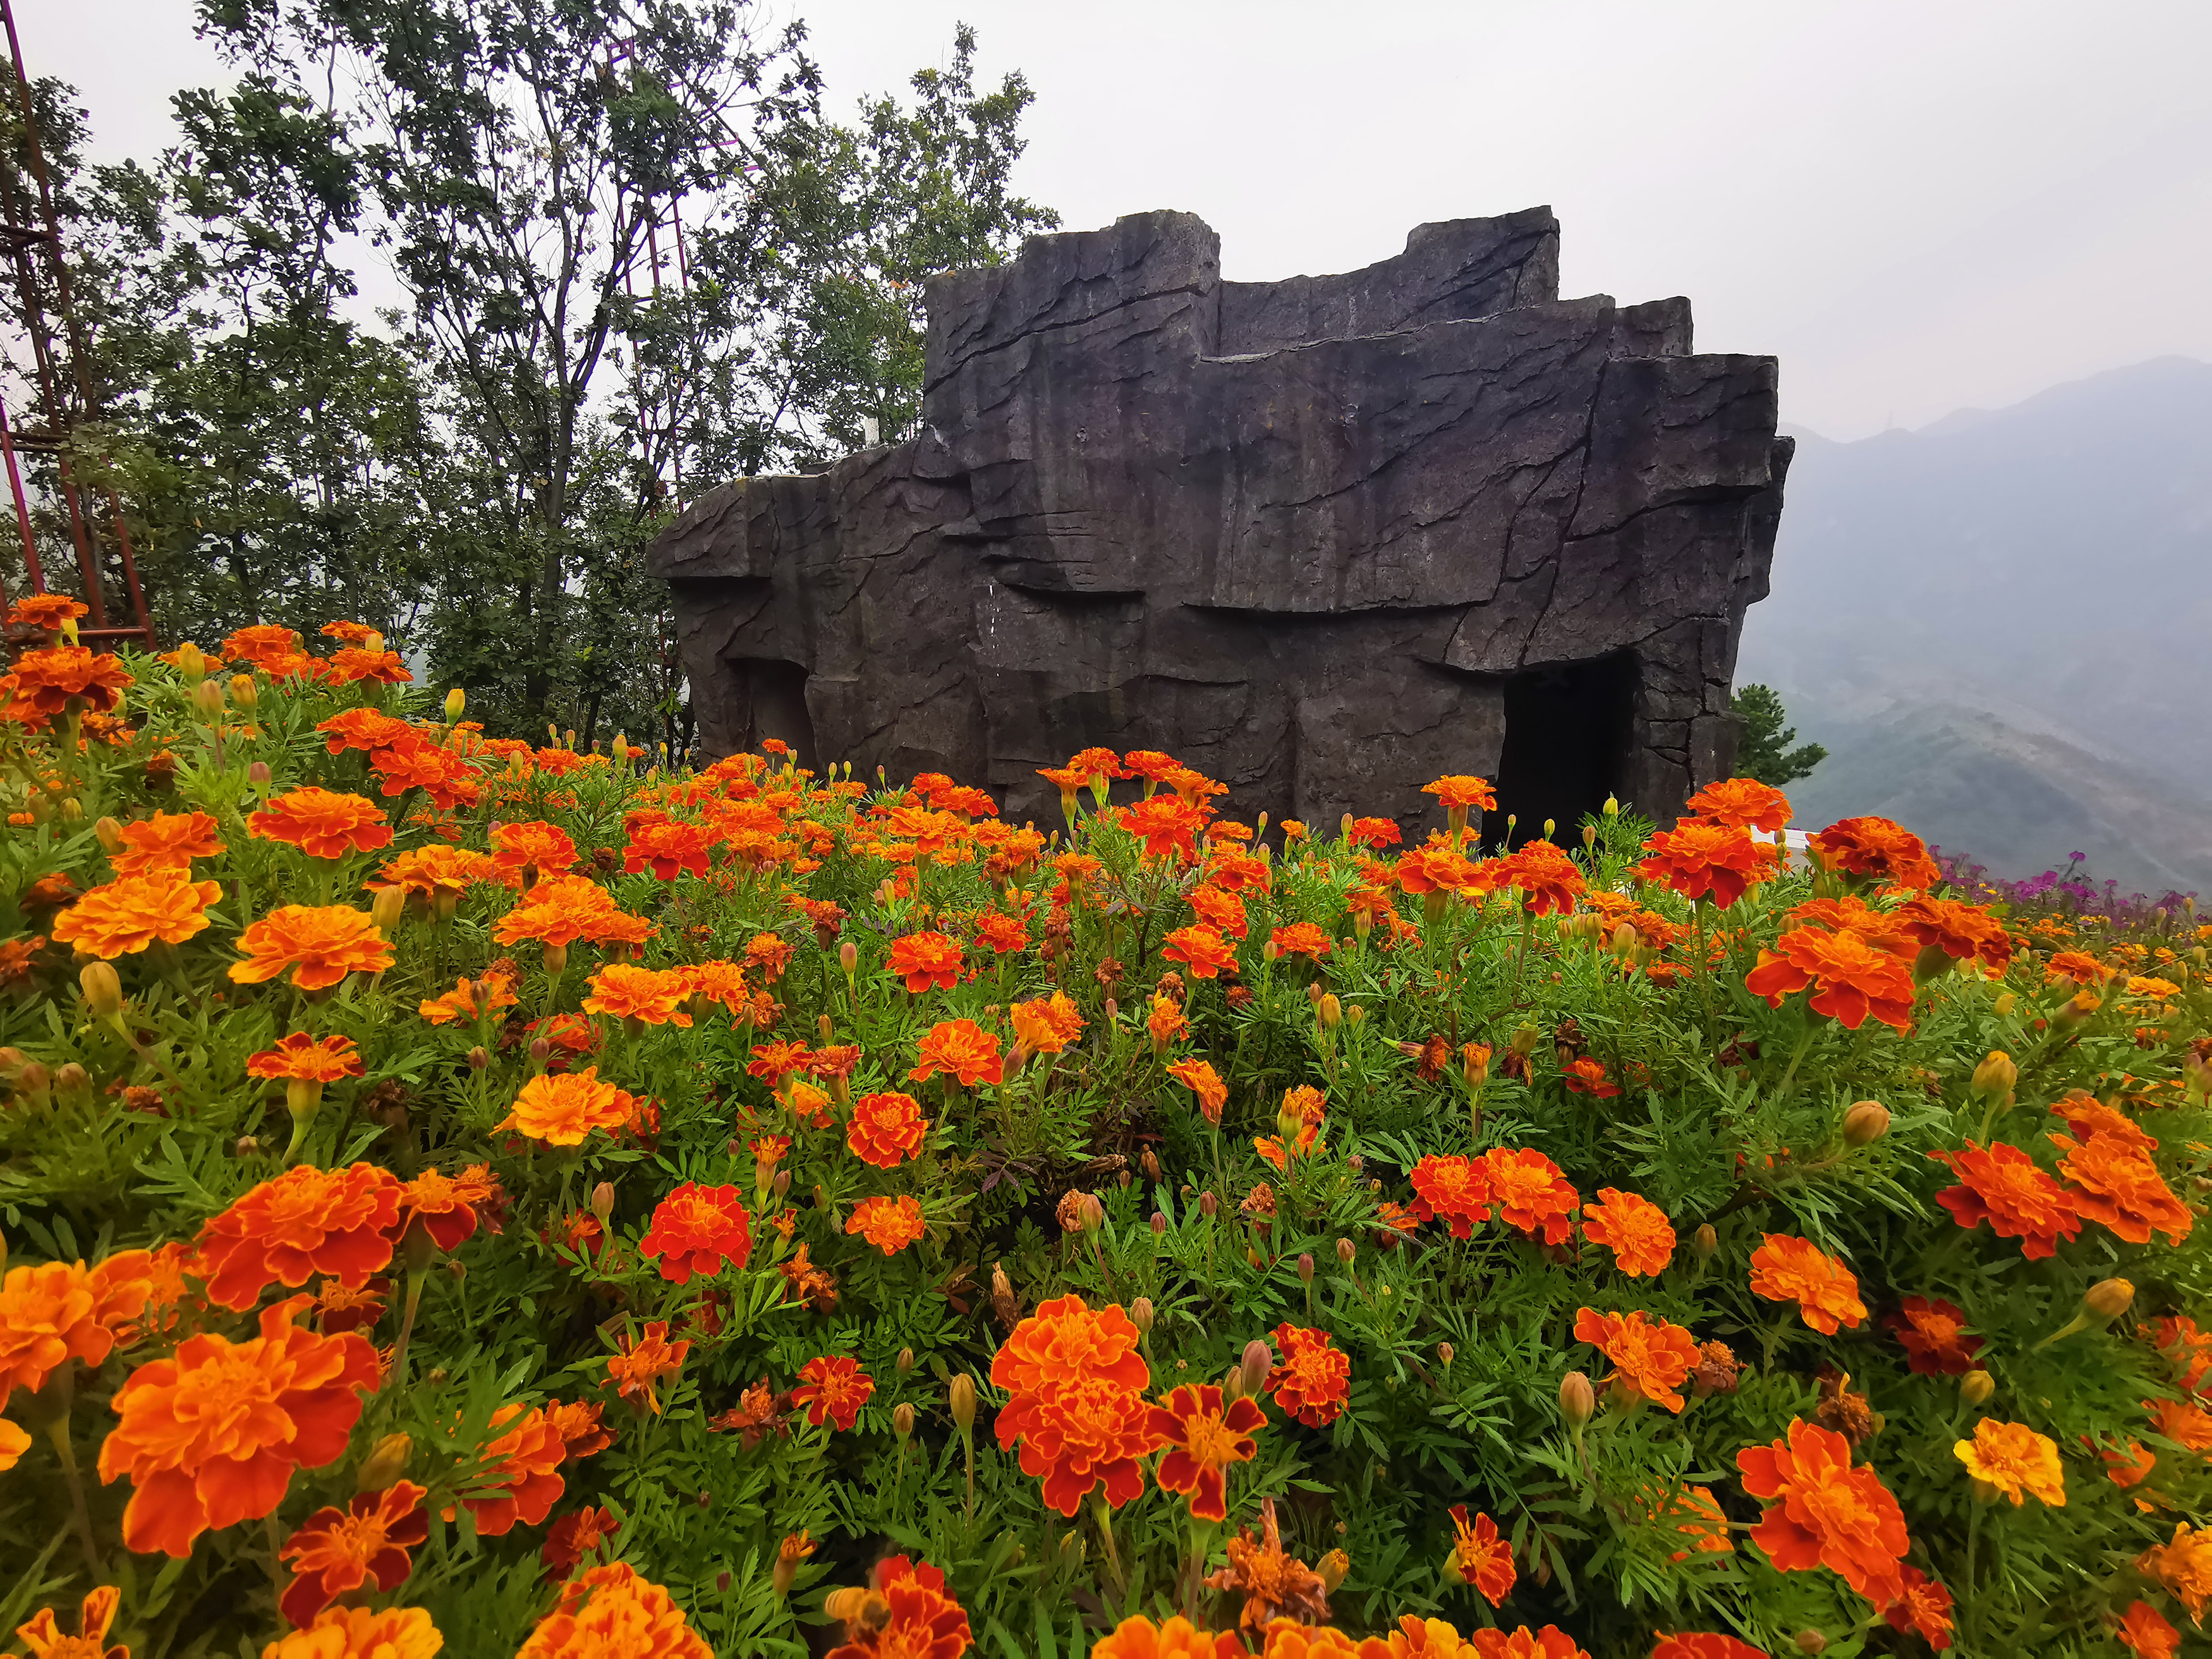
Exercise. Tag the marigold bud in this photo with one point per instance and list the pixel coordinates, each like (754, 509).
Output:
(904, 1363)
(1252, 1370)
(1705, 1242)
(1346, 1250)
(385, 909)
(2079, 1009)
(1997, 1075)
(109, 833)
(1141, 1314)
(386, 1462)
(1093, 1214)
(244, 1146)
(72, 809)
(258, 773)
(1524, 1038)
(1208, 1204)
(848, 958)
(479, 1058)
(456, 700)
(960, 1398)
(2004, 1004)
(903, 1419)
(191, 663)
(1866, 1123)
(1578, 1400)
(1305, 1268)
(540, 1051)
(2108, 1299)
(603, 1200)
(1159, 1224)
(207, 702)
(243, 691)
(1811, 1641)
(1444, 1355)
(71, 1080)
(1332, 1011)
(1975, 1387)
(102, 987)
(1331, 1568)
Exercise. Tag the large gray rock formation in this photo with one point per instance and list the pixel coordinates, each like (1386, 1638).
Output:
(1322, 539)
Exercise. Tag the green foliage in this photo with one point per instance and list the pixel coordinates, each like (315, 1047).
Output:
(1763, 750)
(1622, 1044)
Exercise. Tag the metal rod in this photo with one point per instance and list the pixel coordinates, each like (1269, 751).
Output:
(22, 507)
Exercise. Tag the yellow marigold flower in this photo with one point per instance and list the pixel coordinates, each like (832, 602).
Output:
(2016, 1459)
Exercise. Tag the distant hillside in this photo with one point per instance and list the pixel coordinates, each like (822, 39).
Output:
(2000, 625)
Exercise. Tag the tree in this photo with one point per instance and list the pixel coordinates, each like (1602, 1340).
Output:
(1763, 750)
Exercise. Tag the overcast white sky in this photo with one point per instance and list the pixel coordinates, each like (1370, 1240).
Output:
(1917, 205)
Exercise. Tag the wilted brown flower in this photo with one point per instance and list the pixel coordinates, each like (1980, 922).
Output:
(1274, 1585)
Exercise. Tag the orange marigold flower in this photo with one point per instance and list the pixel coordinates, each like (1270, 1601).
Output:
(2115, 1184)
(1150, 764)
(1877, 849)
(2187, 1348)
(1313, 1380)
(321, 822)
(1529, 1192)
(559, 910)
(1046, 1025)
(46, 610)
(436, 872)
(1785, 1269)
(519, 1482)
(262, 640)
(640, 1361)
(2146, 1634)
(1377, 833)
(1651, 1356)
(1165, 1023)
(1480, 1557)
(357, 1634)
(2187, 1426)
(1546, 878)
(576, 1535)
(470, 999)
(351, 663)
(1436, 866)
(2183, 1566)
(306, 1221)
(1829, 1514)
(653, 996)
(560, 1109)
(1549, 1643)
(2077, 965)
(1224, 912)
(130, 912)
(1065, 1341)
(1201, 949)
(320, 942)
(1695, 1513)
(446, 779)
(1633, 1228)
(56, 1311)
(1167, 824)
(1851, 978)
(522, 853)
(210, 1437)
(1001, 932)
(888, 1224)
(299, 1056)
(611, 1612)
(833, 1389)
(1460, 794)
(2004, 1187)
(577, 1422)
(2087, 1115)
(167, 841)
(1200, 1078)
(365, 729)
(2016, 1459)
(886, 1129)
(1850, 914)
(336, 1551)
(961, 1049)
(42, 1637)
(1704, 1645)
(1077, 1434)
(1961, 931)
(669, 847)
(1203, 1436)
(1707, 860)
(1742, 803)
(1934, 1336)
(1923, 1607)
(1455, 1187)
(1178, 1638)
(1301, 938)
(696, 1229)
(921, 1620)
(43, 682)
(1586, 1075)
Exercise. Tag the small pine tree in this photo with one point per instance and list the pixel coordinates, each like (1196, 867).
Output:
(1764, 751)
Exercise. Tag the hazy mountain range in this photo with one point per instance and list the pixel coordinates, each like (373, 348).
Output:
(2000, 626)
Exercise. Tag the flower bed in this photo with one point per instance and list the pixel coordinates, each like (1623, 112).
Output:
(464, 1194)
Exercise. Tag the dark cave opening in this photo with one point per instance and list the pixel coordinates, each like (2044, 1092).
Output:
(775, 705)
(1566, 746)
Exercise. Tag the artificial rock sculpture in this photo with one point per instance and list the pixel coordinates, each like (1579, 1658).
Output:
(1322, 540)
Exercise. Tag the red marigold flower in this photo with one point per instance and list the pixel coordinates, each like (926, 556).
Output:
(833, 1389)
(653, 996)
(1549, 1643)
(888, 1224)
(1301, 938)
(1933, 1333)
(1222, 911)
(1313, 1380)
(920, 1621)
(1923, 1607)
(1003, 933)
(1586, 1076)
(886, 1129)
(1480, 1557)
(54, 1312)
(306, 1221)
(1203, 1436)
(1962, 931)
(925, 959)
(210, 1437)
(1167, 824)
(321, 822)
(1436, 866)
(576, 1535)
(1695, 1513)
(1851, 978)
(1704, 1645)
(1150, 764)
(608, 1612)
(320, 942)
(1700, 859)
(1455, 1187)
(639, 1363)
(577, 1422)
(336, 1551)
(669, 847)
(1651, 1356)
(2004, 1187)
(2116, 1185)
(1546, 878)
(1077, 1434)
(130, 912)
(299, 1056)
(1740, 803)
(961, 1049)
(1785, 1269)
(1377, 833)
(1633, 1228)
(1065, 1341)
(1529, 1193)
(2145, 1633)
(1829, 1514)
(562, 1108)
(43, 683)
(1877, 849)
(1046, 1025)
(1201, 949)
(167, 841)
(696, 1229)
(1201, 1078)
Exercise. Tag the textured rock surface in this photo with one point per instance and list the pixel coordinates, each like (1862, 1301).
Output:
(1322, 539)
